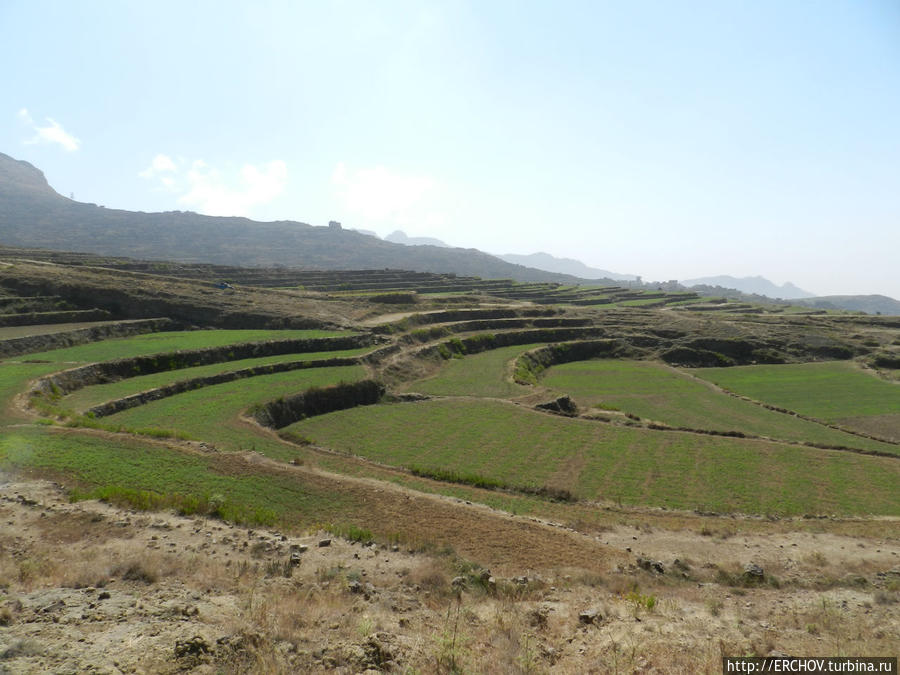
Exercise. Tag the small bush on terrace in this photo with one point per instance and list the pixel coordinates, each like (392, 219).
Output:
(212, 505)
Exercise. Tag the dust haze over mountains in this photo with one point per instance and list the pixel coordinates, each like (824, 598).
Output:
(32, 214)
(758, 285)
(639, 139)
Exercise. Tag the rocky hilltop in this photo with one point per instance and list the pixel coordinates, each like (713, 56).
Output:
(32, 214)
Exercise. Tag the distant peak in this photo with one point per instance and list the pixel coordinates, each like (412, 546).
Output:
(20, 174)
(757, 285)
(400, 237)
(550, 263)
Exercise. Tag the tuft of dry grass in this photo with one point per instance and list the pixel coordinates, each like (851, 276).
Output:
(431, 576)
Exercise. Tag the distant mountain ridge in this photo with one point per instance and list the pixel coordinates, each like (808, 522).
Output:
(870, 304)
(32, 214)
(757, 285)
(399, 237)
(545, 261)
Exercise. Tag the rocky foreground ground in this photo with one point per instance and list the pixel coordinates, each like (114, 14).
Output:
(91, 588)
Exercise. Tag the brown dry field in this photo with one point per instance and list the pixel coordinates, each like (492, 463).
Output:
(884, 426)
(91, 587)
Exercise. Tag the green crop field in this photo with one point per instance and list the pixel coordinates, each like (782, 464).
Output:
(477, 436)
(88, 397)
(16, 372)
(212, 413)
(520, 447)
(834, 391)
(156, 343)
(659, 393)
(484, 374)
(14, 379)
(131, 464)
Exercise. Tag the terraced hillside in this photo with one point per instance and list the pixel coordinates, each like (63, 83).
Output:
(393, 286)
(519, 426)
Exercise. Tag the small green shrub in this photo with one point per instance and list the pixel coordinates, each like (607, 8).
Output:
(351, 533)
(647, 602)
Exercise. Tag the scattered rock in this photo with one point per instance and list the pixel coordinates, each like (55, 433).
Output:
(754, 573)
(195, 646)
(324, 542)
(378, 650)
(561, 406)
(537, 617)
(651, 565)
(590, 616)
(52, 607)
(240, 643)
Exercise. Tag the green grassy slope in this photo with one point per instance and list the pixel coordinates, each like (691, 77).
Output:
(83, 399)
(212, 413)
(132, 464)
(830, 391)
(484, 374)
(16, 372)
(662, 394)
(156, 343)
(679, 470)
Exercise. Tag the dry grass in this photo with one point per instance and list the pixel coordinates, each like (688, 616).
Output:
(257, 619)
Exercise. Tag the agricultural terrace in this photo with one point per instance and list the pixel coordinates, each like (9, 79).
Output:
(662, 394)
(170, 341)
(17, 372)
(212, 413)
(518, 447)
(10, 332)
(154, 475)
(87, 397)
(488, 374)
(834, 391)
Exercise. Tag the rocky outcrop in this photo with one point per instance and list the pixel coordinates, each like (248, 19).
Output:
(39, 343)
(561, 406)
(530, 364)
(281, 412)
(43, 318)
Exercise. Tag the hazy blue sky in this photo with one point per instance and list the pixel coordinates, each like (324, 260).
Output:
(667, 139)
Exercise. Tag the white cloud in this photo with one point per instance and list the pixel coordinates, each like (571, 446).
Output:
(379, 194)
(52, 133)
(214, 192)
(211, 193)
(160, 164)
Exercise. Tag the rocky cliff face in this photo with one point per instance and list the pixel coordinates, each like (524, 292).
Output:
(20, 176)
